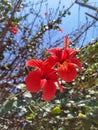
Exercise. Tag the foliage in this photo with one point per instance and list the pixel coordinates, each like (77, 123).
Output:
(75, 108)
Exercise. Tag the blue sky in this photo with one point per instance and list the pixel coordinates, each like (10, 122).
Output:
(75, 20)
(77, 17)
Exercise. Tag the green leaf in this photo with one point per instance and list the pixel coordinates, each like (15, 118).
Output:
(85, 1)
(56, 110)
(31, 116)
(21, 103)
(27, 95)
(7, 106)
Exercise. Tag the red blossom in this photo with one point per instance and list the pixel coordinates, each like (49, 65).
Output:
(61, 63)
(46, 13)
(67, 63)
(43, 78)
(60, 30)
(13, 29)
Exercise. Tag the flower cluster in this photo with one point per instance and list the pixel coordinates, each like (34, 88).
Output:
(60, 64)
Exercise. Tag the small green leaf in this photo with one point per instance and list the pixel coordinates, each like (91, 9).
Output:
(85, 1)
(31, 116)
(81, 115)
(56, 110)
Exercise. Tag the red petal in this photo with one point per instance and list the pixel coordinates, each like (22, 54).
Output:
(34, 63)
(43, 83)
(52, 75)
(71, 52)
(57, 52)
(49, 63)
(67, 72)
(33, 81)
(76, 62)
(49, 91)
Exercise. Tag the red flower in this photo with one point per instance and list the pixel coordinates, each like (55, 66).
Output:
(66, 61)
(46, 13)
(60, 30)
(13, 29)
(43, 78)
